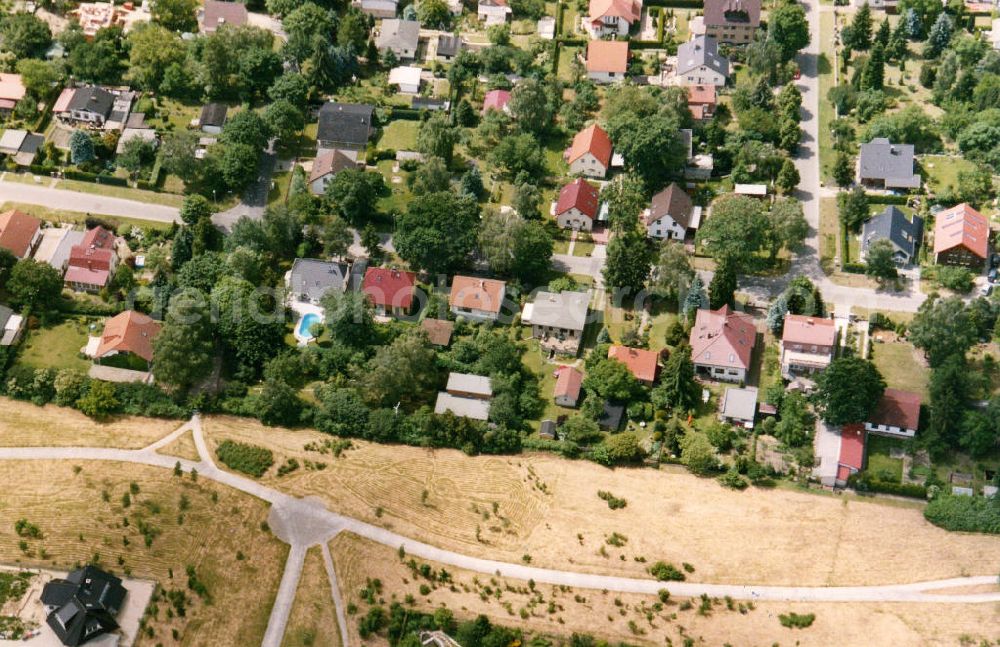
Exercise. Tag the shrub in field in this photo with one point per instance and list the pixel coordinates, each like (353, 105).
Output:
(797, 620)
(249, 459)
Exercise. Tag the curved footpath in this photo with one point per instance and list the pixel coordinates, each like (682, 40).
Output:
(304, 523)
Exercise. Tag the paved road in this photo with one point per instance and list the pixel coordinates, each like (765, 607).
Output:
(85, 202)
(807, 161)
(307, 522)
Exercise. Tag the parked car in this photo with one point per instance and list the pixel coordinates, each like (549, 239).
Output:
(995, 260)
(986, 290)
(992, 275)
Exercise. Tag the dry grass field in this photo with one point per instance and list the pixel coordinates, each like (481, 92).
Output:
(636, 620)
(182, 447)
(548, 508)
(22, 424)
(221, 537)
(313, 621)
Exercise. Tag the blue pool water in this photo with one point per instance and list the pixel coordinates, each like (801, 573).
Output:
(306, 323)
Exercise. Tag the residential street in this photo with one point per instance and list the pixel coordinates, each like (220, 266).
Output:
(303, 523)
(806, 263)
(85, 202)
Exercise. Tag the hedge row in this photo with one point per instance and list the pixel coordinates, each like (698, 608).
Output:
(854, 268)
(83, 176)
(880, 198)
(864, 483)
(964, 513)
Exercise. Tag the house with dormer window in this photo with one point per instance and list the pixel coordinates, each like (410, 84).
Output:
(722, 344)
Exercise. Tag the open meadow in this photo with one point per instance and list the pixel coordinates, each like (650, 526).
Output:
(23, 424)
(642, 619)
(547, 509)
(150, 524)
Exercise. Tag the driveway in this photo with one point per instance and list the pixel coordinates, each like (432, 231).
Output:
(253, 202)
(85, 202)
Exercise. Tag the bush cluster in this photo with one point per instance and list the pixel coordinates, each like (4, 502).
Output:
(249, 459)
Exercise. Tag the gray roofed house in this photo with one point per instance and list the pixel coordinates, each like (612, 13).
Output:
(468, 385)
(893, 225)
(310, 278)
(11, 326)
(557, 319)
(466, 395)
(611, 416)
(21, 145)
(345, 125)
(400, 36)
(91, 103)
(430, 103)
(739, 406)
(84, 605)
(701, 51)
(216, 13)
(884, 165)
(213, 117)
(128, 134)
(448, 46)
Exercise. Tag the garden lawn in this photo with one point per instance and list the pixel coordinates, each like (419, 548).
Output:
(881, 465)
(941, 171)
(56, 347)
(123, 192)
(898, 363)
(829, 230)
(79, 217)
(399, 135)
(826, 112)
(533, 358)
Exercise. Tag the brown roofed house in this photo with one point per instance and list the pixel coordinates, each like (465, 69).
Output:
(327, 164)
(611, 17)
(722, 343)
(438, 331)
(475, 298)
(643, 364)
(128, 332)
(897, 414)
(568, 384)
(218, 13)
(732, 21)
(20, 233)
(671, 214)
(702, 101)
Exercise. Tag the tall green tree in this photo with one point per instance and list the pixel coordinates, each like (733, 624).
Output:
(677, 389)
(629, 257)
(941, 328)
(722, 289)
(176, 15)
(437, 137)
(673, 272)
(787, 27)
(184, 350)
(880, 263)
(848, 390)
(354, 195)
(34, 285)
(736, 231)
(787, 226)
(438, 232)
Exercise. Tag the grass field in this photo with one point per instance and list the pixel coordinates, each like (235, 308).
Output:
(825, 65)
(543, 502)
(313, 621)
(182, 447)
(900, 365)
(57, 346)
(941, 171)
(25, 425)
(221, 537)
(829, 229)
(633, 618)
(400, 135)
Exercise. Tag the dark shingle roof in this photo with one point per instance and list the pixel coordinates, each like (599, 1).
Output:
(213, 114)
(448, 45)
(86, 602)
(882, 160)
(348, 123)
(94, 99)
(314, 277)
(893, 225)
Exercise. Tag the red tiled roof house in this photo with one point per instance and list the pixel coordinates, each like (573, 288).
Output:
(577, 206)
(722, 344)
(897, 414)
(496, 100)
(20, 233)
(852, 452)
(389, 290)
(961, 237)
(128, 332)
(702, 101)
(643, 364)
(12, 90)
(607, 60)
(611, 17)
(476, 299)
(590, 153)
(92, 263)
(568, 384)
(807, 345)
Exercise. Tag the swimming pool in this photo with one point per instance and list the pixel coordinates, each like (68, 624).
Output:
(305, 323)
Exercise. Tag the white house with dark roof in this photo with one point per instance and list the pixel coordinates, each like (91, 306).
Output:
(311, 278)
(213, 118)
(325, 167)
(884, 165)
(671, 214)
(732, 21)
(699, 63)
(893, 225)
